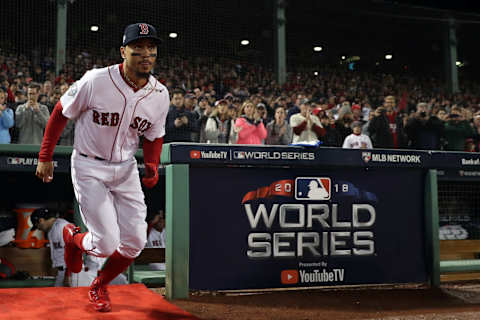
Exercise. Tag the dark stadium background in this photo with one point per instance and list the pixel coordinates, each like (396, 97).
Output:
(411, 30)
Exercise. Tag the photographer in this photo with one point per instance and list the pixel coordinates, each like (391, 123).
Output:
(424, 131)
(379, 129)
(457, 130)
(180, 122)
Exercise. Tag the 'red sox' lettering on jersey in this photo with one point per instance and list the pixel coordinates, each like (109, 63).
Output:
(106, 118)
(141, 124)
(113, 115)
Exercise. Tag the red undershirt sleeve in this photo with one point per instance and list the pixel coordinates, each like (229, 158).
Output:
(298, 129)
(55, 125)
(152, 150)
(319, 130)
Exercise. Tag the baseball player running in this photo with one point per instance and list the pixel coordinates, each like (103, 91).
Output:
(112, 107)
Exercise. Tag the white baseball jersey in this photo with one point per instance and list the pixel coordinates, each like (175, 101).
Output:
(110, 116)
(361, 141)
(307, 135)
(57, 246)
(156, 239)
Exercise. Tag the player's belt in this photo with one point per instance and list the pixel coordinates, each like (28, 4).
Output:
(94, 157)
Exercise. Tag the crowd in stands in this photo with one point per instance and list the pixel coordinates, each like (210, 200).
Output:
(224, 101)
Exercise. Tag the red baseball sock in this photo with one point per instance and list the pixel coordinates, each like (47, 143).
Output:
(78, 238)
(115, 265)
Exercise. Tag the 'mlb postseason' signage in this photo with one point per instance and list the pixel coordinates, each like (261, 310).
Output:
(271, 228)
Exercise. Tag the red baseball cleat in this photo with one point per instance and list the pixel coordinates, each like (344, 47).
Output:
(73, 254)
(98, 296)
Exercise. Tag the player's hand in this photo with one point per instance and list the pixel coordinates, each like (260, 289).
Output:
(151, 175)
(45, 171)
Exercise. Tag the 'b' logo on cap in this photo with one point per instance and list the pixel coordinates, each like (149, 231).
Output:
(143, 28)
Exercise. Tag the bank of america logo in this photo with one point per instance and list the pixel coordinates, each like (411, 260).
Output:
(312, 188)
(366, 156)
(239, 154)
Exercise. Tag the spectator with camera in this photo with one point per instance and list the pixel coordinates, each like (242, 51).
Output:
(425, 131)
(379, 129)
(180, 122)
(31, 117)
(457, 130)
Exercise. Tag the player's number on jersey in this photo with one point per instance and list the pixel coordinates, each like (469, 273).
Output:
(342, 187)
(283, 187)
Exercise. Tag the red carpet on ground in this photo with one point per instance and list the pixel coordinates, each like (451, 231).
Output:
(132, 302)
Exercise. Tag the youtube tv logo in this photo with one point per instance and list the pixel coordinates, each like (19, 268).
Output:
(289, 276)
(195, 154)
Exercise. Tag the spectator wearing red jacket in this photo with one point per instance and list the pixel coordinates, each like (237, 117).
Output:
(249, 126)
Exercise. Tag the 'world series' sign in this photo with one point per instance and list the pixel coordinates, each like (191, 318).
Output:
(273, 228)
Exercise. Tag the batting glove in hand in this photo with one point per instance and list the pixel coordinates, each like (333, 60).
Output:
(151, 175)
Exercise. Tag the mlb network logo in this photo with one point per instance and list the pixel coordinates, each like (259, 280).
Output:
(289, 277)
(312, 188)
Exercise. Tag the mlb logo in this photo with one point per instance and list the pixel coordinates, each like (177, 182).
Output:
(14, 161)
(312, 188)
(289, 277)
(366, 156)
(239, 154)
(195, 154)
